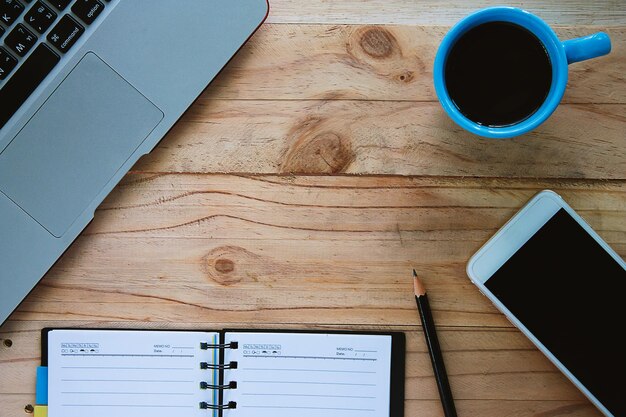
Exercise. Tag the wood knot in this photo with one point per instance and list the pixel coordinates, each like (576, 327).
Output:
(317, 152)
(406, 76)
(378, 42)
(220, 267)
(224, 266)
(375, 49)
(230, 265)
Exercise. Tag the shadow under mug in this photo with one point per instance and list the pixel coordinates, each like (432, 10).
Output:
(561, 54)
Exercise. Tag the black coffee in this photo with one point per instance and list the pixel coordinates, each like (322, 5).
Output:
(498, 74)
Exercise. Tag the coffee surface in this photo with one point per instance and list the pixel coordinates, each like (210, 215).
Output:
(498, 74)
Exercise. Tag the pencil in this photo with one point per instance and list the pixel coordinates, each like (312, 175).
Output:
(433, 347)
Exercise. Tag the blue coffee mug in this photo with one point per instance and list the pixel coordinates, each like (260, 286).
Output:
(561, 54)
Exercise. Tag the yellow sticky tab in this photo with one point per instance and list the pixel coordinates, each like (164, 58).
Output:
(41, 411)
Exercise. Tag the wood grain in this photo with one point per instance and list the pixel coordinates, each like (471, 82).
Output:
(388, 63)
(313, 250)
(426, 12)
(325, 252)
(405, 138)
(327, 89)
(313, 99)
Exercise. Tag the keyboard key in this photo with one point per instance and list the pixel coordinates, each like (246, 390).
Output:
(10, 10)
(7, 63)
(65, 33)
(25, 81)
(87, 10)
(20, 40)
(40, 17)
(1, 31)
(60, 4)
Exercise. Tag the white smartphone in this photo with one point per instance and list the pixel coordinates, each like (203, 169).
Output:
(556, 280)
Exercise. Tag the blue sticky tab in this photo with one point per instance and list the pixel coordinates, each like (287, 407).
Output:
(41, 393)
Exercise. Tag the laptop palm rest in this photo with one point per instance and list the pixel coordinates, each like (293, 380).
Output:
(71, 148)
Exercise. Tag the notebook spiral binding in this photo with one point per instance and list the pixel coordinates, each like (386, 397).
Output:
(220, 366)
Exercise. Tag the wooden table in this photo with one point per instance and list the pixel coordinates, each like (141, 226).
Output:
(314, 173)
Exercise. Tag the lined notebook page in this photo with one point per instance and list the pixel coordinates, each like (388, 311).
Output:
(105, 373)
(309, 375)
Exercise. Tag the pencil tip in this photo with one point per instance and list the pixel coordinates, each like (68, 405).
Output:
(418, 286)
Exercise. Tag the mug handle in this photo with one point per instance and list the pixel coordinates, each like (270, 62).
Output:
(587, 47)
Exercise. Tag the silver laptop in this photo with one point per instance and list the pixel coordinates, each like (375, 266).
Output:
(86, 88)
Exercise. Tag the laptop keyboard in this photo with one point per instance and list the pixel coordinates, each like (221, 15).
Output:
(25, 63)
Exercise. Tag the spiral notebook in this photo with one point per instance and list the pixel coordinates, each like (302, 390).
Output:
(230, 373)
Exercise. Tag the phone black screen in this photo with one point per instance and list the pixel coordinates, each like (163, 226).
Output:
(571, 294)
